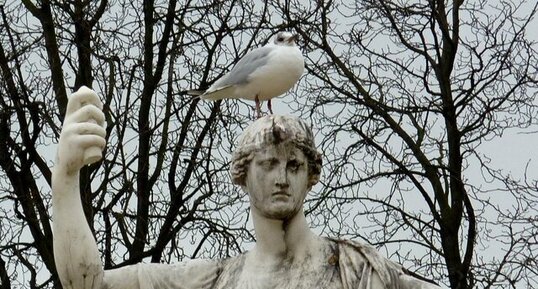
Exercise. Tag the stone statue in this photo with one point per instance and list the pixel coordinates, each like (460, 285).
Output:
(276, 163)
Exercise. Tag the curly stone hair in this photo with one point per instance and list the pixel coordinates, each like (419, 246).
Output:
(274, 130)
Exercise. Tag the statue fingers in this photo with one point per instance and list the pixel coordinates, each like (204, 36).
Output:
(87, 141)
(88, 128)
(82, 97)
(80, 145)
(87, 113)
(80, 136)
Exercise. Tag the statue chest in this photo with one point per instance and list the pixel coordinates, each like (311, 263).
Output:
(319, 271)
(322, 278)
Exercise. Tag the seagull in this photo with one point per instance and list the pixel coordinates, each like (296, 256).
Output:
(262, 74)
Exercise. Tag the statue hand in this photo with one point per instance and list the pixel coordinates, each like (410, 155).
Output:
(83, 133)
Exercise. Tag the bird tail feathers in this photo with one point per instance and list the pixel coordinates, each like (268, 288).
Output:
(219, 93)
(195, 92)
(216, 94)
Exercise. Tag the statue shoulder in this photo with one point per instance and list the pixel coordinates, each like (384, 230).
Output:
(354, 256)
(357, 254)
(361, 248)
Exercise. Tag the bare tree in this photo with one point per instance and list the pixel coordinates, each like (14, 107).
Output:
(407, 92)
(162, 192)
(403, 96)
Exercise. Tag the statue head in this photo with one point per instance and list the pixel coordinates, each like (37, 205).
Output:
(273, 130)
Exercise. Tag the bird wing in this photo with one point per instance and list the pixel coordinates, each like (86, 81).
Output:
(244, 68)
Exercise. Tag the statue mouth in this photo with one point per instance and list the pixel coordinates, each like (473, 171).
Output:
(281, 193)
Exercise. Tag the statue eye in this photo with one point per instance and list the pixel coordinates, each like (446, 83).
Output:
(294, 165)
(268, 164)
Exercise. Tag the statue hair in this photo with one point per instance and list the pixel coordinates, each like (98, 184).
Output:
(275, 130)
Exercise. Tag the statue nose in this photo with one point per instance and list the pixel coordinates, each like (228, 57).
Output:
(282, 177)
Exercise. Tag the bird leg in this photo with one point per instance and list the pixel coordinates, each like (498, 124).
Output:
(269, 106)
(258, 108)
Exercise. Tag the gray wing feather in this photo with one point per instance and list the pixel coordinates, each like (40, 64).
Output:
(244, 68)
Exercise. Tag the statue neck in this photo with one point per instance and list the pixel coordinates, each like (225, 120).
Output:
(281, 239)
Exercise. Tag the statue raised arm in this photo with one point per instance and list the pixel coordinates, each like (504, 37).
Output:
(77, 259)
(75, 251)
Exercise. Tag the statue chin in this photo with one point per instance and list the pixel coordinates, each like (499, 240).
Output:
(278, 211)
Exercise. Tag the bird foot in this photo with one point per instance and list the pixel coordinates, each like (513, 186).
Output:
(269, 106)
(258, 107)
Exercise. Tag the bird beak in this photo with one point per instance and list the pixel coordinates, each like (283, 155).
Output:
(293, 38)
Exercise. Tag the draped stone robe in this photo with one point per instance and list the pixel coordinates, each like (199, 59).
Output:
(344, 265)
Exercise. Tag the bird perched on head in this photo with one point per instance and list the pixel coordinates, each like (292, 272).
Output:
(262, 74)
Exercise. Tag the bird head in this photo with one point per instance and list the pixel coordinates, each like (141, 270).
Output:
(285, 39)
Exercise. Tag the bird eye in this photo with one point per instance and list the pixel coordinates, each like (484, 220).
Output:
(280, 39)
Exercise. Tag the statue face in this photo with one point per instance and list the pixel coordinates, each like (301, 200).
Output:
(277, 181)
